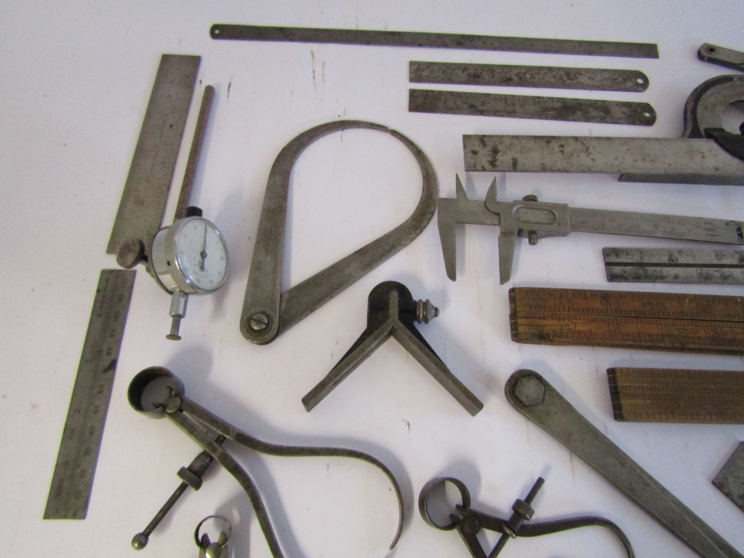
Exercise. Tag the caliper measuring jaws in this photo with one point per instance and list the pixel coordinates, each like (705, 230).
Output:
(534, 219)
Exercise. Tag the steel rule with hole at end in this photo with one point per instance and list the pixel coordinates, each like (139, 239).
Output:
(72, 482)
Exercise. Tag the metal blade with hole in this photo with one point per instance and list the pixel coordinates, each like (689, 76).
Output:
(532, 395)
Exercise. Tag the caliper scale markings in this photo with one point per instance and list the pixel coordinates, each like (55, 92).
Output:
(72, 482)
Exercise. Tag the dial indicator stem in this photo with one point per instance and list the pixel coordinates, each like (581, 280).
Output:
(179, 299)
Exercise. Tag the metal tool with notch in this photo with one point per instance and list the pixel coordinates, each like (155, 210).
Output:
(470, 522)
(531, 106)
(535, 220)
(668, 395)
(72, 482)
(158, 393)
(674, 265)
(392, 311)
(267, 311)
(550, 77)
(628, 320)
(532, 395)
(705, 154)
(223, 31)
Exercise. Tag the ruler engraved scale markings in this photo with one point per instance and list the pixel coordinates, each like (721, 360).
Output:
(634, 320)
(668, 395)
(72, 482)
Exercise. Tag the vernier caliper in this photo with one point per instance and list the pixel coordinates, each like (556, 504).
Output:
(534, 219)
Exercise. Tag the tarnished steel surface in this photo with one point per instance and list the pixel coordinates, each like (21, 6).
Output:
(721, 56)
(730, 479)
(597, 79)
(525, 106)
(431, 40)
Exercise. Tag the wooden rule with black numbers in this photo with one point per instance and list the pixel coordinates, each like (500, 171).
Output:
(668, 395)
(632, 320)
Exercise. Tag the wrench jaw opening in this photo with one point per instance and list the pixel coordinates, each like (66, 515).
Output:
(153, 390)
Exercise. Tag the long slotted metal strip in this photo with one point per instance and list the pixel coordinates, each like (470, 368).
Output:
(151, 172)
(431, 40)
(669, 395)
(669, 265)
(687, 161)
(72, 482)
(526, 106)
(536, 399)
(597, 79)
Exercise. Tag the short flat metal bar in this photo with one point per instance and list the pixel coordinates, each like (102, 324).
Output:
(730, 479)
(683, 396)
(72, 482)
(431, 40)
(523, 106)
(551, 412)
(151, 172)
(667, 265)
(687, 161)
(596, 79)
(653, 225)
(192, 166)
(721, 56)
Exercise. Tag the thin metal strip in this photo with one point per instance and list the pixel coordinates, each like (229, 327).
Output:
(525, 106)
(596, 79)
(667, 265)
(688, 161)
(730, 479)
(431, 40)
(726, 57)
(682, 396)
(151, 172)
(72, 482)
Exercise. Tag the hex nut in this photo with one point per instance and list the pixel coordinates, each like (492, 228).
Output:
(530, 391)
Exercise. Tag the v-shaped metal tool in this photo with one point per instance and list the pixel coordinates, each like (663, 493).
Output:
(534, 220)
(267, 311)
(391, 311)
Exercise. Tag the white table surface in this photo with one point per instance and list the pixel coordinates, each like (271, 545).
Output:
(76, 79)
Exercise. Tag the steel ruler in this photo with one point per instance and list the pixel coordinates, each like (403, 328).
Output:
(223, 31)
(151, 172)
(81, 439)
(528, 106)
(669, 265)
(632, 320)
(668, 395)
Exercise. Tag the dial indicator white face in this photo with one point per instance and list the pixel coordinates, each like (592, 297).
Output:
(201, 254)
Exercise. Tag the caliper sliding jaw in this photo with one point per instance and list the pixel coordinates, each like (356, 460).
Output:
(533, 219)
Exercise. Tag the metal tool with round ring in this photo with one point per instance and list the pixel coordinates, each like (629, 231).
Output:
(469, 522)
(218, 548)
(158, 393)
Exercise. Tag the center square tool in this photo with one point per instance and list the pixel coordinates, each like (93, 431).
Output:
(534, 219)
(470, 522)
(157, 393)
(391, 311)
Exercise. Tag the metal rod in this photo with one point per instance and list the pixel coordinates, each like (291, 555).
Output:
(197, 143)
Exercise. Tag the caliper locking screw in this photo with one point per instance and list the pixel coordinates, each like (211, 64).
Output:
(425, 311)
(530, 391)
(531, 235)
(259, 322)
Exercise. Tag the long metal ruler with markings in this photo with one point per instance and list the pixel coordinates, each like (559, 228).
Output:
(632, 320)
(669, 395)
(224, 31)
(81, 439)
(669, 265)
(146, 190)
